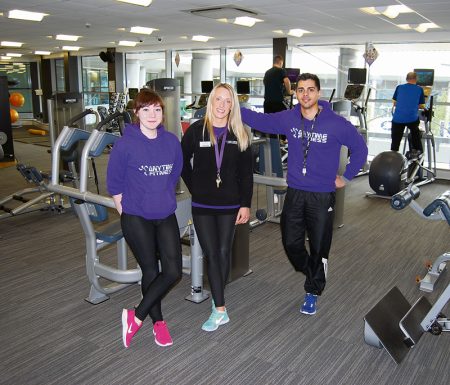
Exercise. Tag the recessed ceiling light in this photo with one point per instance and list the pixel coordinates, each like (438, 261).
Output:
(201, 38)
(14, 54)
(26, 15)
(67, 37)
(70, 48)
(279, 31)
(127, 43)
(246, 21)
(144, 3)
(297, 32)
(5, 57)
(42, 52)
(11, 44)
(142, 30)
(391, 11)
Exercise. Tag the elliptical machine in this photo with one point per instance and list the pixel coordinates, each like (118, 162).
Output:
(391, 172)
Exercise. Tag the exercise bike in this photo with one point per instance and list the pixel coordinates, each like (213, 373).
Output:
(390, 172)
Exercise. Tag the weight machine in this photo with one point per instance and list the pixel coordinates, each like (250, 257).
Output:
(393, 323)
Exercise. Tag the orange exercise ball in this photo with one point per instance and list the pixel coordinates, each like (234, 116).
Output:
(16, 99)
(14, 115)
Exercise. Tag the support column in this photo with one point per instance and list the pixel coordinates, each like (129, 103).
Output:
(46, 85)
(133, 73)
(142, 77)
(280, 47)
(116, 71)
(223, 65)
(7, 145)
(71, 73)
(347, 59)
(169, 64)
(201, 70)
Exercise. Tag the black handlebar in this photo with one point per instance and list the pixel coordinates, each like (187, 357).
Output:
(125, 115)
(80, 116)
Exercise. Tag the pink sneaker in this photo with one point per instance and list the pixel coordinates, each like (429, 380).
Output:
(161, 333)
(129, 327)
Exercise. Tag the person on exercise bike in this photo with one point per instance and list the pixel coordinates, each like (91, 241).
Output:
(408, 99)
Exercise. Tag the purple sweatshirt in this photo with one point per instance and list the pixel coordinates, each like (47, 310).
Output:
(146, 172)
(331, 131)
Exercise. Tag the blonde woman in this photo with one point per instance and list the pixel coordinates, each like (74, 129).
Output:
(220, 181)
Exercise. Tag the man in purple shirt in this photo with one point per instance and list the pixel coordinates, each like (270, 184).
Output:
(315, 135)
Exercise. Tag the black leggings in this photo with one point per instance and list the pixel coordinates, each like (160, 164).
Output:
(308, 213)
(215, 234)
(145, 237)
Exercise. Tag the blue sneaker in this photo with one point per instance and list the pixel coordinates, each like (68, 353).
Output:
(309, 306)
(216, 319)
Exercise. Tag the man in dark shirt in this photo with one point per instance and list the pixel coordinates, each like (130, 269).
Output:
(275, 82)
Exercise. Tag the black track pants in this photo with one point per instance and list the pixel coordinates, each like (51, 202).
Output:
(397, 135)
(308, 213)
(145, 238)
(215, 234)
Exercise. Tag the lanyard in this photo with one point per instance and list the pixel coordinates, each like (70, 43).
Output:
(306, 140)
(219, 155)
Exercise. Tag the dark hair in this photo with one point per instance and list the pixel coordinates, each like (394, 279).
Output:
(277, 59)
(147, 97)
(307, 76)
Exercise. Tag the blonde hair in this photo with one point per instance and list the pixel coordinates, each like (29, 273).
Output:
(234, 118)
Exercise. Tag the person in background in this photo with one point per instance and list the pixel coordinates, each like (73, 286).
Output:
(407, 99)
(316, 135)
(220, 180)
(276, 85)
(143, 170)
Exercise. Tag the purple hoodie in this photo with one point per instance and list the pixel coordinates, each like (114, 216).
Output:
(331, 131)
(146, 172)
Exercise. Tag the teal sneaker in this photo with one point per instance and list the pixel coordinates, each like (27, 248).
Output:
(216, 319)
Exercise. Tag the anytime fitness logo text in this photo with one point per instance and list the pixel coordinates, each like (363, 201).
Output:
(164, 169)
(313, 137)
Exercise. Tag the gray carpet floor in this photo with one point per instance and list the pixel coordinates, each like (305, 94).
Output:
(50, 335)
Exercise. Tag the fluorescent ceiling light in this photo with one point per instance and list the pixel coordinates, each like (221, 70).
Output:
(391, 11)
(11, 44)
(67, 37)
(422, 27)
(201, 38)
(297, 32)
(144, 3)
(42, 52)
(142, 30)
(127, 43)
(278, 31)
(26, 15)
(70, 48)
(14, 54)
(246, 21)
(5, 57)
